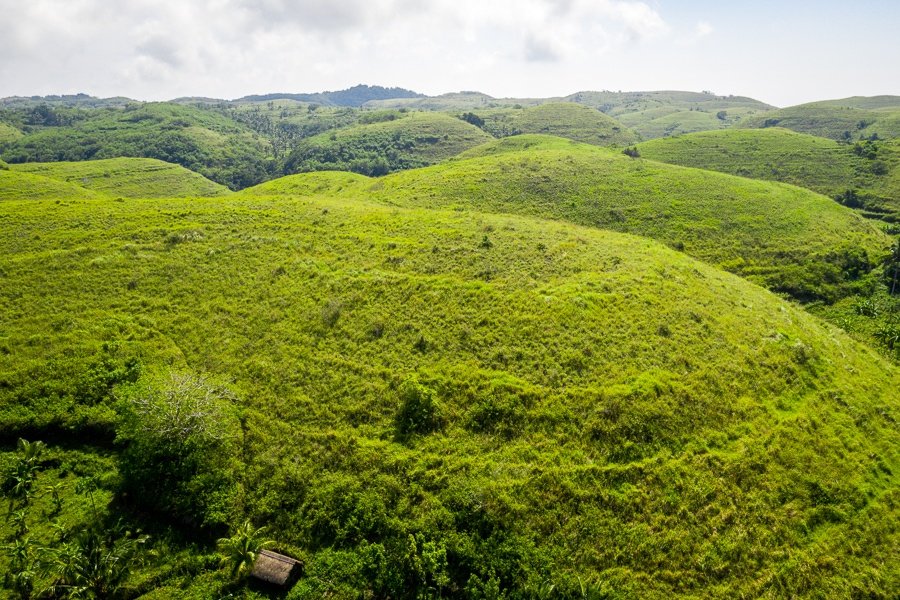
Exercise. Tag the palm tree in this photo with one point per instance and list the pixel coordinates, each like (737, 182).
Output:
(241, 549)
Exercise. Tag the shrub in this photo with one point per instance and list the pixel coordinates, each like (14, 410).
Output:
(420, 411)
(180, 434)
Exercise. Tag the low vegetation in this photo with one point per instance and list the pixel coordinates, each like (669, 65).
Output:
(128, 177)
(815, 249)
(454, 403)
(389, 141)
(860, 175)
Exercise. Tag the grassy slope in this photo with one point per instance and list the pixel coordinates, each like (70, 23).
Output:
(778, 235)
(777, 154)
(201, 140)
(26, 186)
(663, 113)
(406, 140)
(832, 120)
(128, 177)
(617, 415)
(8, 134)
(563, 119)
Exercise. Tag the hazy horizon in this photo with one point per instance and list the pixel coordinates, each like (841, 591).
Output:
(781, 55)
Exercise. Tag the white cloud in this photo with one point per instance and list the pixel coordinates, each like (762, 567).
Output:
(703, 29)
(165, 48)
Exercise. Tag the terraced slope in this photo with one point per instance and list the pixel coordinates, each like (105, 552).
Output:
(784, 237)
(128, 177)
(26, 186)
(861, 176)
(563, 119)
(402, 141)
(457, 401)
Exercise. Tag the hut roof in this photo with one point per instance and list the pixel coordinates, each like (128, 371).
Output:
(275, 568)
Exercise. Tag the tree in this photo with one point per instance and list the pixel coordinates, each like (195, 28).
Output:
(180, 434)
(95, 563)
(242, 548)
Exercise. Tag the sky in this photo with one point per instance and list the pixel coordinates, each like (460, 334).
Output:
(782, 52)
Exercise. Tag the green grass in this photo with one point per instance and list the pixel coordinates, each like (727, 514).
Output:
(664, 113)
(8, 134)
(784, 237)
(833, 120)
(777, 154)
(608, 413)
(395, 141)
(562, 119)
(128, 177)
(26, 186)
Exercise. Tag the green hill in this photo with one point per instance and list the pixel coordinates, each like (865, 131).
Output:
(128, 177)
(835, 119)
(470, 403)
(784, 237)
(563, 119)
(391, 141)
(868, 170)
(664, 113)
(26, 186)
(203, 141)
(8, 134)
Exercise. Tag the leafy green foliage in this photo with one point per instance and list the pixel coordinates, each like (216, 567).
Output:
(241, 550)
(563, 119)
(179, 435)
(199, 140)
(408, 141)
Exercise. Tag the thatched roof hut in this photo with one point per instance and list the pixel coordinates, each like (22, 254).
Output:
(276, 569)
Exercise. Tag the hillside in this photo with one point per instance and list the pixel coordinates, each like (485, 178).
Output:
(128, 177)
(562, 119)
(448, 400)
(862, 175)
(784, 237)
(26, 186)
(204, 141)
(391, 141)
(664, 113)
(8, 134)
(836, 120)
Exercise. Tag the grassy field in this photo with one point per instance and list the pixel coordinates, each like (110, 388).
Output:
(449, 402)
(128, 177)
(563, 119)
(869, 170)
(784, 237)
(391, 141)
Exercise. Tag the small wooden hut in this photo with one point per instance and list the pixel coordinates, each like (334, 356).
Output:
(276, 569)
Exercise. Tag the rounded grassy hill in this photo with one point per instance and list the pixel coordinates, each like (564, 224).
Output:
(128, 177)
(785, 237)
(466, 402)
(395, 141)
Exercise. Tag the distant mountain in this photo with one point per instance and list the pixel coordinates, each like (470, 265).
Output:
(354, 96)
